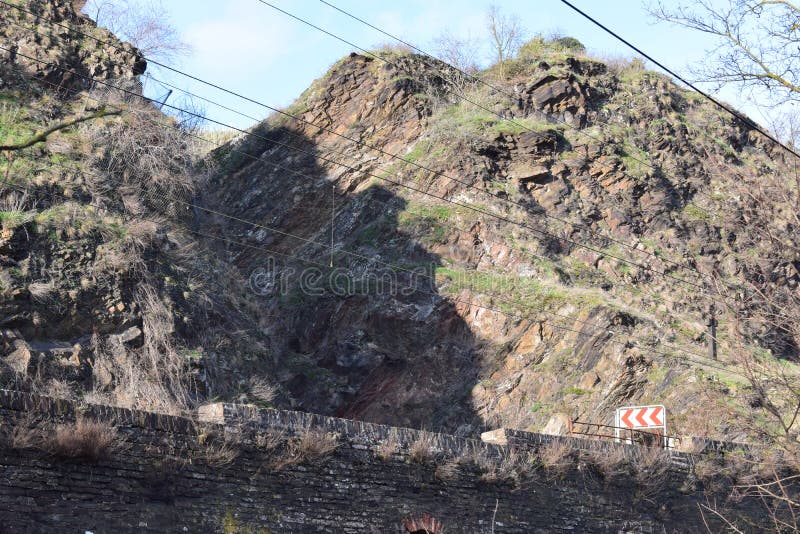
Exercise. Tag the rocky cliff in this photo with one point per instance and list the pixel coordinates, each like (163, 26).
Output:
(571, 248)
(395, 253)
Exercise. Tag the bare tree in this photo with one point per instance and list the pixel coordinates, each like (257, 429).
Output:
(506, 33)
(460, 53)
(760, 329)
(144, 23)
(785, 125)
(757, 44)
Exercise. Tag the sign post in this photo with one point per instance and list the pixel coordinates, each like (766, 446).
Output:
(640, 418)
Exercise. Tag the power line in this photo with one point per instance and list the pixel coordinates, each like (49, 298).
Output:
(698, 286)
(500, 90)
(291, 170)
(289, 234)
(471, 303)
(359, 143)
(463, 97)
(464, 205)
(378, 56)
(738, 116)
(652, 295)
(392, 155)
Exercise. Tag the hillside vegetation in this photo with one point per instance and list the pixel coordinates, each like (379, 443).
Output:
(547, 242)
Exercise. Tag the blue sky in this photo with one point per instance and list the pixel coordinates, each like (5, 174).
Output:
(250, 48)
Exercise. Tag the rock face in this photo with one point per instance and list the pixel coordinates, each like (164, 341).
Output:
(391, 253)
(572, 312)
(42, 31)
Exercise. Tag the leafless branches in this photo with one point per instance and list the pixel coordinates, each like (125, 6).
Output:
(757, 43)
(506, 34)
(144, 23)
(460, 53)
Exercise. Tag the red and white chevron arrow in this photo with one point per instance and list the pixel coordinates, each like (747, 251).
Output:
(641, 416)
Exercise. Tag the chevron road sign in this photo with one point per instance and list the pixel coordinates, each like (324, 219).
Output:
(639, 418)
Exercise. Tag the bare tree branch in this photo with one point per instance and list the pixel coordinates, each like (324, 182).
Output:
(757, 43)
(506, 33)
(43, 135)
(144, 23)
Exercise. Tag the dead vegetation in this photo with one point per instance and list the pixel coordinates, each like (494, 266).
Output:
(510, 468)
(88, 439)
(388, 447)
(270, 439)
(308, 445)
(610, 463)
(447, 471)
(262, 390)
(557, 457)
(651, 467)
(423, 449)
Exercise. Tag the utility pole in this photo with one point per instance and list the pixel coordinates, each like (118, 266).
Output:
(712, 332)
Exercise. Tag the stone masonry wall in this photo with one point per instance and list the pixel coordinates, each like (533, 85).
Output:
(213, 474)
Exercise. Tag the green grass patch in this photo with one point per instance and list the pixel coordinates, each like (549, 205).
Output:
(518, 126)
(695, 213)
(636, 161)
(13, 219)
(519, 294)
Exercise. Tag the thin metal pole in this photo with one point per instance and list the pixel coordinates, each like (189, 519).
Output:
(712, 332)
(333, 215)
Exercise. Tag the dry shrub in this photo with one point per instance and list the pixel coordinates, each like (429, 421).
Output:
(511, 467)
(745, 469)
(25, 434)
(270, 439)
(153, 378)
(610, 463)
(261, 389)
(55, 388)
(388, 447)
(42, 291)
(710, 471)
(141, 153)
(314, 445)
(651, 466)
(288, 456)
(557, 457)
(86, 438)
(423, 449)
(309, 445)
(220, 454)
(218, 447)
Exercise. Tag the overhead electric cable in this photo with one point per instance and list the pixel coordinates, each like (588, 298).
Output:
(350, 253)
(654, 296)
(383, 178)
(543, 213)
(738, 116)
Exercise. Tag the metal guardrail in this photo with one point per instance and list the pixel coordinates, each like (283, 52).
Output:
(634, 436)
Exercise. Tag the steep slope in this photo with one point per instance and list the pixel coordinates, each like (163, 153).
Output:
(629, 194)
(104, 289)
(398, 254)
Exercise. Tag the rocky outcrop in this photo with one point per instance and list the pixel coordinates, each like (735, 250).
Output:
(392, 253)
(41, 30)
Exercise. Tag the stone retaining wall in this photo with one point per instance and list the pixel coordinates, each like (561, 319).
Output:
(209, 474)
